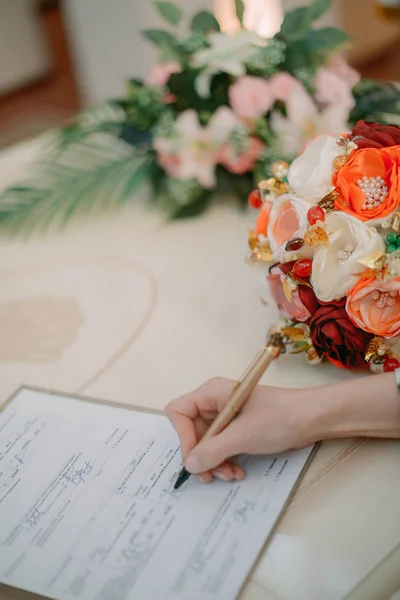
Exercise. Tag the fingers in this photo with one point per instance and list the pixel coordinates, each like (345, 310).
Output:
(209, 454)
(185, 428)
(200, 406)
(229, 471)
(191, 415)
(206, 401)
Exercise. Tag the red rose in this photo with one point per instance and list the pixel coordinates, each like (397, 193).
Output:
(373, 135)
(334, 335)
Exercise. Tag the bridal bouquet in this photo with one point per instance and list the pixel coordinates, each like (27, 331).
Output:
(209, 120)
(329, 229)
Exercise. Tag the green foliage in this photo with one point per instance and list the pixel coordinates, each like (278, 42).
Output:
(183, 86)
(239, 5)
(297, 22)
(318, 8)
(108, 117)
(313, 49)
(264, 61)
(182, 198)
(192, 209)
(376, 101)
(197, 40)
(159, 37)
(169, 11)
(167, 45)
(144, 105)
(325, 39)
(229, 184)
(95, 173)
(204, 21)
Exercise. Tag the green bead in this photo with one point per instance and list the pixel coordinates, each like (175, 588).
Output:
(398, 242)
(391, 237)
(392, 248)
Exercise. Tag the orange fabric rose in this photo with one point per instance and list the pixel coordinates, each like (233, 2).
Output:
(374, 306)
(369, 163)
(263, 219)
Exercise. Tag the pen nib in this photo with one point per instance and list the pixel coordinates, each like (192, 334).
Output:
(182, 477)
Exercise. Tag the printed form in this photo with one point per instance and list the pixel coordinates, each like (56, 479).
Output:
(88, 510)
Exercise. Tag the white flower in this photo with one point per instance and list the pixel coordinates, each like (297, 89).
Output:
(192, 150)
(335, 268)
(288, 220)
(305, 121)
(310, 175)
(226, 54)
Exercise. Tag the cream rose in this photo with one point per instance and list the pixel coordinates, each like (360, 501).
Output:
(335, 269)
(288, 220)
(310, 175)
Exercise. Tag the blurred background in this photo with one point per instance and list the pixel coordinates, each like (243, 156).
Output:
(57, 56)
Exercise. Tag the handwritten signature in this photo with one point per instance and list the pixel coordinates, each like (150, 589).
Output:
(33, 519)
(77, 476)
(241, 515)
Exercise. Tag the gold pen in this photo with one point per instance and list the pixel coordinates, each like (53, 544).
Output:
(241, 393)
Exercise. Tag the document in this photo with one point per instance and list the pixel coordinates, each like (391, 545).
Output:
(88, 510)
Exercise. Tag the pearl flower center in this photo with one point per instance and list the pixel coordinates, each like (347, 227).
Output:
(384, 299)
(375, 191)
(344, 253)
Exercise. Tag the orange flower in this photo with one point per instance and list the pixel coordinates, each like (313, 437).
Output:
(368, 184)
(374, 306)
(263, 219)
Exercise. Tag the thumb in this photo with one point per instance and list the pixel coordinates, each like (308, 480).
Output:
(210, 453)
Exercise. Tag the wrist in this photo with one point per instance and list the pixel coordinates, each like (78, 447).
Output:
(364, 407)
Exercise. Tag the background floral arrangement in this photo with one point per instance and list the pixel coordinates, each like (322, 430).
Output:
(329, 227)
(210, 119)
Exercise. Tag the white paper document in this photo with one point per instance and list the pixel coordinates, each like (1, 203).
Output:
(88, 510)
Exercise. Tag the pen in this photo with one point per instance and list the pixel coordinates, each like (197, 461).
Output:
(240, 394)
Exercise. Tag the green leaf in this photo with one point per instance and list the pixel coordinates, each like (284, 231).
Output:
(183, 86)
(98, 172)
(239, 5)
(376, 101)
(167, 45)
(176, 211)
(296, 57)
(169, 11)
(318, 8)
(159, 37)
(296, 23)
(328, 38)
(204, 21)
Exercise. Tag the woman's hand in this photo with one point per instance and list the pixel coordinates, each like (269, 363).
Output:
(278, 419)
(270, 422)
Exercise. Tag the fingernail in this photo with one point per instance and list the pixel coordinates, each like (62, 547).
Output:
(201, 478)
(192, 464)
(222, 475)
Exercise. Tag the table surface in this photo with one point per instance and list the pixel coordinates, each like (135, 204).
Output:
(132, 309)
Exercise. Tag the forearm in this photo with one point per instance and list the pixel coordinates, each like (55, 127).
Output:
(366, 407)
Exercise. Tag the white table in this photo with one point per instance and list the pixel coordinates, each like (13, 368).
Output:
(135, 310)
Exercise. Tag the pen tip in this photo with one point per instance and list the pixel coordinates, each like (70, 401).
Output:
(182, 477)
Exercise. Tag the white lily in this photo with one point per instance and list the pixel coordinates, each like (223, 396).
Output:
(305, 121)
(227, 54)
(196, 148)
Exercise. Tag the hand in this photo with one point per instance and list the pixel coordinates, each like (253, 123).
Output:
(270, 422)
